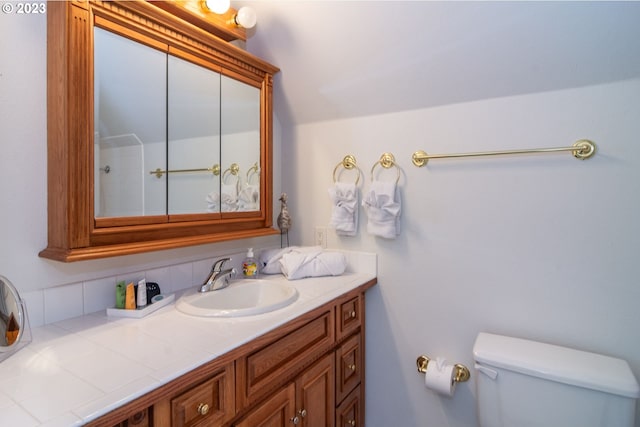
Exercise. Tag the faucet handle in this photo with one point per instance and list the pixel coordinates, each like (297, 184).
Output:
(217, 266)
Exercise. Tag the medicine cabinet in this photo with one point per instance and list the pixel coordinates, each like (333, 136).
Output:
(159, 131)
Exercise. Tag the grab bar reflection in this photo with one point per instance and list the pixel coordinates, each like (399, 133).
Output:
(215, 170)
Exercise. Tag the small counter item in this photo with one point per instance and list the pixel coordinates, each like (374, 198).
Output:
(120, 294)
(141, 297)
(130, 297)
(159, 301)
(250, 266)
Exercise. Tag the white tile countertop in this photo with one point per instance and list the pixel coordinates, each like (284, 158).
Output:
(78, 369)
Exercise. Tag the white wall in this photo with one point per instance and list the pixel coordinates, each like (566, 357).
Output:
(543, 246)
(23, 180)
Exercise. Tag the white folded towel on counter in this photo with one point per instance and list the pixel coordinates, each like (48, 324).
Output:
(300, 262)
(301, 265)
(382, 206)
(344, 214)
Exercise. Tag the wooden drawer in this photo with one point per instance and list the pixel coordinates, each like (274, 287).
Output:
(349, 315)
(350, 413)
(211, 402)
(280, 360)
(349, 366)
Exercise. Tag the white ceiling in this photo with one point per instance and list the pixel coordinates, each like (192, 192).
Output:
(341, 59)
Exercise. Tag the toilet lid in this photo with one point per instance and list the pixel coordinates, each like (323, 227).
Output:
(556, 363)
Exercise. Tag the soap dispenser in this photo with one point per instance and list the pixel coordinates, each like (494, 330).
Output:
(250, 266)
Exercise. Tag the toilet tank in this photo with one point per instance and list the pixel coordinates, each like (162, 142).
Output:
(522, 383)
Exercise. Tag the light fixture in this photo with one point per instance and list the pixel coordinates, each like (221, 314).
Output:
(217, 6)
(245, 17)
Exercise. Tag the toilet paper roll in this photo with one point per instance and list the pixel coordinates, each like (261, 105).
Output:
(440, 377)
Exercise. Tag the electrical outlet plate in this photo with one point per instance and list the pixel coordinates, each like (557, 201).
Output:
(321, 236)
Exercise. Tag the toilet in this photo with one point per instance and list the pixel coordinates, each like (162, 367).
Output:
(522, 383)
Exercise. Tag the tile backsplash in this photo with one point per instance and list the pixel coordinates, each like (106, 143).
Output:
(75, 299)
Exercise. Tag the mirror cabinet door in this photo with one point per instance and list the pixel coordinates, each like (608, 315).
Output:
(240, 118)
(130, 100)
(194, 138)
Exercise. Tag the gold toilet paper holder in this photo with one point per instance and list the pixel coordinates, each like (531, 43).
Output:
(462, 372)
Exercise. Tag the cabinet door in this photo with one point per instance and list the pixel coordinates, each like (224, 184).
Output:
(316, 394)
(277, 411)
(350, 413)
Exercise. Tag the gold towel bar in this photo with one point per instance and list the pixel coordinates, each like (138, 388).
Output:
(462, 372)
(215, 169)
(582, 149)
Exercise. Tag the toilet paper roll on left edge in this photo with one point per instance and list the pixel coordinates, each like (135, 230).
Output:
(440, 378)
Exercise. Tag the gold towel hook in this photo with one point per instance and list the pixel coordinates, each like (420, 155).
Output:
(387, 160)
(253, 170)
(349, 162)
(233, 169)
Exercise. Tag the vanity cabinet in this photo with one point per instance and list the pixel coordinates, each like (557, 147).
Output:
(308, 372)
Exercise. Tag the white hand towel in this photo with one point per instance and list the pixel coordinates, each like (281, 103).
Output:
(344, 214)
(229, 197)
(382, 205)
(249, 198)
(312, 264)
(213, 202)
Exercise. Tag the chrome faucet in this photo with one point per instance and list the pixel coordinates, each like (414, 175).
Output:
(218, 278)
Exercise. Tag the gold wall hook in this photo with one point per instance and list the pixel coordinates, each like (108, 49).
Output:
(387, 160)
(462, 373)
(233, 169)
(348, 162)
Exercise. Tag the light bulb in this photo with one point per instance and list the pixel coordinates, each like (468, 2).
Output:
(218, 6)
(246, 17)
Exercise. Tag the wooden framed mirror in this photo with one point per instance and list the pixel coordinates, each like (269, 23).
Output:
(159, 131)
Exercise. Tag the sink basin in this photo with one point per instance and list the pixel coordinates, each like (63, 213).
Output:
(240, 298)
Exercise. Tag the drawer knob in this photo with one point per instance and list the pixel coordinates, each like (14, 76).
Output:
(203, 409)
(302, 413)
(352, 367)
(353, 314)
(351, 422)
(295, 420)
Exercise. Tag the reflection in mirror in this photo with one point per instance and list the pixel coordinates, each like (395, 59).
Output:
(130, 126)
(14, 327)
(240, 118)
(194, 137)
